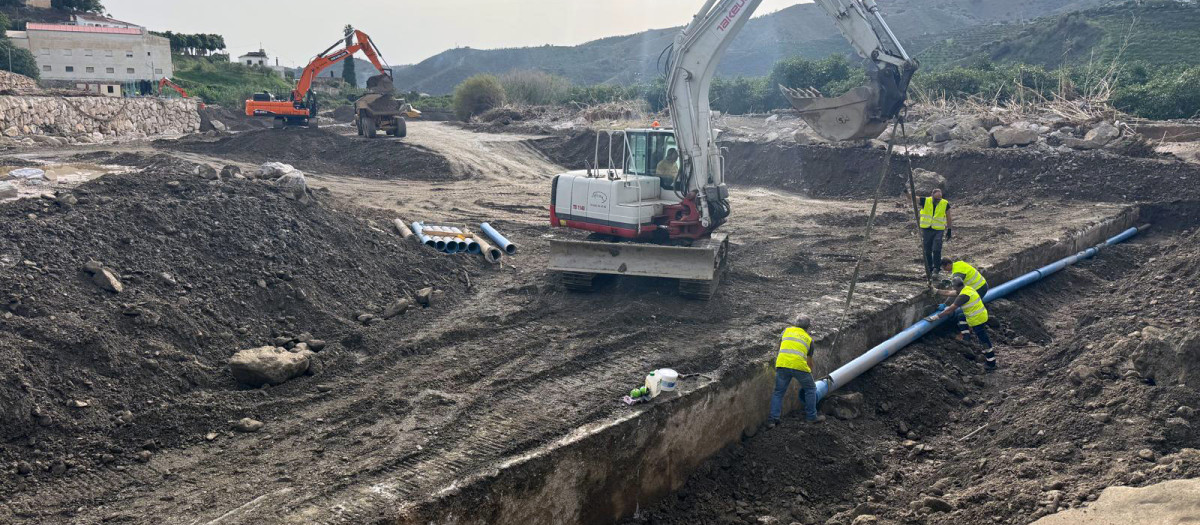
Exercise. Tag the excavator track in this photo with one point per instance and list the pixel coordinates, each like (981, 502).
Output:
(703, 290)
(579, 281)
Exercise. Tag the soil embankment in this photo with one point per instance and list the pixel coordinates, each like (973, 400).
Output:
(327, 152)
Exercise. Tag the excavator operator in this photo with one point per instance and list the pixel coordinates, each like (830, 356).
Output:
(668, 168)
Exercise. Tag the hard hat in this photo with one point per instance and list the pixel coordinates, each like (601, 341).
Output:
(655, 124)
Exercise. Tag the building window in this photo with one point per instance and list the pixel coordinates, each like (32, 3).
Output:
(157, 71)
(129, 54)
(108, 53)
(70, 69)
(109, 70)
(129, 70)
(91, 69)
(147, 53)
(87, 52)
(110, 89)
(45, 68)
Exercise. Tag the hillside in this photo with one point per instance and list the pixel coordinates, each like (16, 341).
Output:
(1155, 32)
(798, 30)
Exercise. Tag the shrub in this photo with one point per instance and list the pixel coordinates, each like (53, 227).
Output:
(536, 88)
(476, 95)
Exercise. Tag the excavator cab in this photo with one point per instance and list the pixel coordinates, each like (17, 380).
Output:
(652, 152)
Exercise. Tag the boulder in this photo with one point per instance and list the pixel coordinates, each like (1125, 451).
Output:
(1006, 137)
(268, 365)
(926, 181)
(218, 125)
(397, 308)
(1167, 502)
(294, 187)
(1080, 144)
(1102, 134)
(845, 406)
(424, 295)
(247, 425)
(230, 172)
(7, 190)
(274, 170)
(205, 172)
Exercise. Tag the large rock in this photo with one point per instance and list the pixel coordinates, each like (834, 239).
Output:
(1167, 503)
(274, 170)
(268, 365)
(1102, 134)
(7, 190)
(845, 406)
(1006, 137)
(294, 187)
(1168, 359)
(926, 181)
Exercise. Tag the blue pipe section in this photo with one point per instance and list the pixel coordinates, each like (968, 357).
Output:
(502, 243)
(419, 230)
(849, 371)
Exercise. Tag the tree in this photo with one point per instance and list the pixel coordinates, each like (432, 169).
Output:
(476, 95)
(348, 72)
(91, 6)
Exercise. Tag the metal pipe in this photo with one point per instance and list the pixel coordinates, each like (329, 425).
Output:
(849, 371)
(490, 253)
(508, 247)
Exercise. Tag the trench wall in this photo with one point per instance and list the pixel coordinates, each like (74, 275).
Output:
(605, 471)
(95, 118)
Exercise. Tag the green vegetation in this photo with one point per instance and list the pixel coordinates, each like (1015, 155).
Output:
(217, 80)
(476, 95)
(200, 44)
(13, 58)
(534, 87)
(92, 6)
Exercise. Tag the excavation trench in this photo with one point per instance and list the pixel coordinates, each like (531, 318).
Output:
(607, 471)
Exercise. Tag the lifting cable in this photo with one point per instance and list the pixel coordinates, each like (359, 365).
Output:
(897, 123)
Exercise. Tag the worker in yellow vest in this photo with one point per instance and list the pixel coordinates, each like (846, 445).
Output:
(971, 276)
(795, 353)
(973, 318)
(935, 220)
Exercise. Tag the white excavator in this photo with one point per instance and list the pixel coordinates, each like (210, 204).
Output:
(655, 212)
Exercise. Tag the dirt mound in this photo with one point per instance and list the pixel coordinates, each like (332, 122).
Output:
(577, 150)
(342, 114)
(321, 151)
(1068, 414)
(234, 119)
(89, 376)
(978, 176)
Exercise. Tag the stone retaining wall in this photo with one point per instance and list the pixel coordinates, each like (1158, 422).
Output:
(91, 119)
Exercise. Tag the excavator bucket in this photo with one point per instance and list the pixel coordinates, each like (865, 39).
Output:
(853, 116)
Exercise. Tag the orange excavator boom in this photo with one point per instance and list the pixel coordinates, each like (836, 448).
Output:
(303, 105)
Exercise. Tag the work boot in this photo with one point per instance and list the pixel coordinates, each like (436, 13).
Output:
(772, 423)
(818, 419)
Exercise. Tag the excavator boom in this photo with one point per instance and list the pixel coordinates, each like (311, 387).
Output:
(302, 107)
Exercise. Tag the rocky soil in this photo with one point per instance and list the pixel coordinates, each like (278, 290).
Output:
(326, 152)
(124, 298)
(1098, 387)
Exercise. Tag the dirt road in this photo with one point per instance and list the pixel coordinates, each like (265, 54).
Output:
(514, 363)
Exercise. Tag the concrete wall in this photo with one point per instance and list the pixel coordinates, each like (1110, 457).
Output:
(97, 57)
(604, 472)
(95, 118)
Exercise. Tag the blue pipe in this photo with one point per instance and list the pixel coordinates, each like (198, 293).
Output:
(502, 243)
(849, 371)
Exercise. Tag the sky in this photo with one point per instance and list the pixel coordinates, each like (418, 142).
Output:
(407, 31)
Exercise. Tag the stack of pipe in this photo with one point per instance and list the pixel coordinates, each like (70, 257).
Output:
(448, 238)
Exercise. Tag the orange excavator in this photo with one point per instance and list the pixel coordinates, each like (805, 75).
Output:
(301, 108)
(166, 82)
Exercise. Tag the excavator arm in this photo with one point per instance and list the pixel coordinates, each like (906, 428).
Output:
(355, 42)
(859, 114)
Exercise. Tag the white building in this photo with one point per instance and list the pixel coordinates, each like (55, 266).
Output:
(261, 59)
(96, 53)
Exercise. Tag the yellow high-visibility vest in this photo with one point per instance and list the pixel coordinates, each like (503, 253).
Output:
(974, 310)
(934, 217)
(793, 349)
(971, 276)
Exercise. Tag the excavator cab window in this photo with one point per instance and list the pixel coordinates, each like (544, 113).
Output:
(653, 152)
